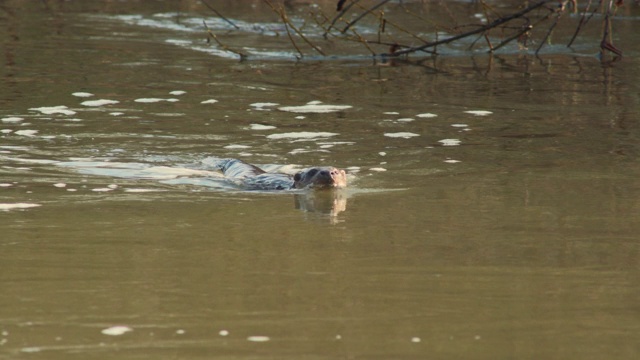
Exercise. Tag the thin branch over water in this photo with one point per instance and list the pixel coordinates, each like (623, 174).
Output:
(396, 33)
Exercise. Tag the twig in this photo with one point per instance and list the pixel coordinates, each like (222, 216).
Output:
(364, 42)
(224, 47)
(492, 25)
(524, 30)
(220, 15)
(607, 41)
(560, 12)
(350, 24)
(288, 23)
(401, 29)
(286, 27)
(342, 12)
(584, 20)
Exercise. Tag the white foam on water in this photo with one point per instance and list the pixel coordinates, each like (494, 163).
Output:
(415, 339)
(29, 133)
(12, 119)
(336, 143)
(30, 161)
(50, 110)
(459, 125)
(133, 171)
(300, 117)
(237, 146)
(177, 92)
(14, 147)
(314, 107)
(451, 161)
(142, 190)
(106, 189)
(116, 330)
(261, 127)
(164, 172)
(382, 153)
(153, 100)
(82, 94)
(210, 101)
(213, 51)
(450, 142)
(12, 206)
(183, 43)
(101, 102)
(479, 112)
(301, 135)
(404, 135)
(263, 104)
(303, 151)
(426, 115)
(258, 338)
(5, 184)
(405, 119)
(391, 113)
(168, 24)
(116, 113)
(167, 115)
(378, 169)
(223, 332)
(6, 131)
(60, 185)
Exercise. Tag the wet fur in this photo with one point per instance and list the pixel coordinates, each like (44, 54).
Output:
(253, 178)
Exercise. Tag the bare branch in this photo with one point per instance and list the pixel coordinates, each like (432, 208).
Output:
(340, 14)
(220, 15)
(354, 21)
(288, 25)
(211, 35)
(481, 29)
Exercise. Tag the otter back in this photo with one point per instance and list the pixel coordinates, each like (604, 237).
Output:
(251, 177)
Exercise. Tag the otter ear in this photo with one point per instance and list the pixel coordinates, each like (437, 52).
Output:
(297, 177)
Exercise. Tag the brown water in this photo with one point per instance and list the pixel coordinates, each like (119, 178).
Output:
(519, 239)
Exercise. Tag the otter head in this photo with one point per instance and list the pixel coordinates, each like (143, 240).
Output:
(320, 178)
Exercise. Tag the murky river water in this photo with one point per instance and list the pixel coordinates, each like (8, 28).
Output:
(492, 211)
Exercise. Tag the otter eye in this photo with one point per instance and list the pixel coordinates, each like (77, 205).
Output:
(312, 172)
(297, 177)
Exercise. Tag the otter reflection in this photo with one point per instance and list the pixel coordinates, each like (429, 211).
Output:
(323, 202)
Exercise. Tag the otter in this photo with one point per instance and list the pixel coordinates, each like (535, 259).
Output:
(252, 177)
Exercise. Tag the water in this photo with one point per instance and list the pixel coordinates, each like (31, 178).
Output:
(505, 226)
